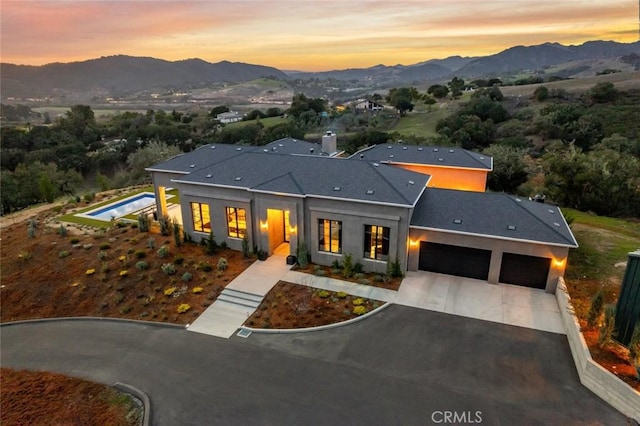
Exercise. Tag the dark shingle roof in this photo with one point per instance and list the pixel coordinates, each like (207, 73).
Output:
(317, 176)
(293, 146)
(426, 155)
(492, 214)
(203, 156)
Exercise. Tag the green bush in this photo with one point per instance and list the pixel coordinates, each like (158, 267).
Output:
(222, 264)
(336, 265)
(142, 265)
(163, 252)
(341, 295)
(357, 302)
(323, 294)
(177, 234)
(210, 244)
(595, 310)
(186, 277)
(166, 224)
(205, 266)
(102, 255)
(178, 260)
(245, 247)
(358, 268)
(144, 222)
(303, 255)
(364, 281)
(89, 197)
(607, 329)
(140, 254)
(62, 230)
(168, 269)
(74, 240)
(105, 246)
(347, 266)
(151, 243)
(63, 254)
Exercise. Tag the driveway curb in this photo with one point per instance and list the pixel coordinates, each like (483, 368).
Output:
(319, 328)
(140, 322)
(143, 397)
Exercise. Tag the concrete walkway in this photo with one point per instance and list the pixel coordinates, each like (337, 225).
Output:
(505, 304)
(242, 296)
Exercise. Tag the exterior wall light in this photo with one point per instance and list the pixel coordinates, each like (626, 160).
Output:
(264, 225)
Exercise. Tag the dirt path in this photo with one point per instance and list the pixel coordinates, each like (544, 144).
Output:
(24, 215)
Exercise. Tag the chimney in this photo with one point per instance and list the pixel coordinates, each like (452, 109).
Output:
(329, 143)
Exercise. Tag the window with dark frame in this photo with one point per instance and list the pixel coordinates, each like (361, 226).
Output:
(201, 218)
(236, 222)
(376, 242)
(330, 236)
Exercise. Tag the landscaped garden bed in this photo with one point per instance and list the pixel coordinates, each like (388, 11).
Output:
(41, 398)
(289, 306)
(116, 272)
(355, 274)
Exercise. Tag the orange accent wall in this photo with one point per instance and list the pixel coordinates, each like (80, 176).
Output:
(451, 178)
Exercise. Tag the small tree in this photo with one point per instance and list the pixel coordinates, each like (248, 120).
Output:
(303, 255)
(177, 231)
(165, 225)
(245, 247)
(607, 329)
(143, 222)
(597, 304)
(210, 244)
(347, 266)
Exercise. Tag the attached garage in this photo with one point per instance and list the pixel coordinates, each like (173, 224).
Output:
(528, 271)
(455, 260)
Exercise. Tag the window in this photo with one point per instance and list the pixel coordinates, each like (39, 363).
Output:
(201, 220)
(236, 222)
(376, 242)
(330, 236)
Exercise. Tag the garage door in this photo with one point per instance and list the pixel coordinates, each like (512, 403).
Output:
(455, 260)
(528, 271)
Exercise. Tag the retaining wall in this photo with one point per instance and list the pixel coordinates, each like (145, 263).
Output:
(593, 376)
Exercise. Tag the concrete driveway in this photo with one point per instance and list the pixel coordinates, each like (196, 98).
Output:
(403, 366)
(502, 303)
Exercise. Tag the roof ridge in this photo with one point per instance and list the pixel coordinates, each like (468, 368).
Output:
(375, 169)
(519, 204)
(468, 154)
(295, 181)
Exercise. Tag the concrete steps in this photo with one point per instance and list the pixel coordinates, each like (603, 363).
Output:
(239, 297)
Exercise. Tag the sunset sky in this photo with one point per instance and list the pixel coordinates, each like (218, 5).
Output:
(308, 35)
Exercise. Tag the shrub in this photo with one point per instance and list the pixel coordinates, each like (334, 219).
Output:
(336, 265)
(178, 260)
(607, 328)
(90, 196)
(177, 234)
(140, 254)
(341, 295)
(396, 269)
(168, 269)
(166, 224)
(595, 310)
(63, 254)
(163, 252)
(205, 266)
(357, 302)
(359, 310)
(104, 246)
(144, 222)
(210, 244)
(186, 277)
(358, 268)
(74, 240)
(303, 255)
(197, 290)
(102, 255)
(222, 264)
(347, 266)
(323, 294)
(358, 276)
(184, 307)
(364, 281)
(32, 225)
(245, 247)
(169, 291)
(151, 243)
(62, 230)
(142, 265)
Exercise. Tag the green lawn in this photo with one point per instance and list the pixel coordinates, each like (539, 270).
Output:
(266, 122)
(603, 241)
(421, 121)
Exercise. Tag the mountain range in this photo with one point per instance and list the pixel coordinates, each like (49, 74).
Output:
(121, 75)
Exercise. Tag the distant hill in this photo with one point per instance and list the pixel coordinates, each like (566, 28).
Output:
(118, 75)
(126, 75)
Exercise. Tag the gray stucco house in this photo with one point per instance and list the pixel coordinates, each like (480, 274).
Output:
(295, 192)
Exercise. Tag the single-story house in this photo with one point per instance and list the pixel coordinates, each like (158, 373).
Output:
(229, 117)
(292, 192)
(367, 106)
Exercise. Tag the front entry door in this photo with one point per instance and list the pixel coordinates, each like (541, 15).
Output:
(276, 228)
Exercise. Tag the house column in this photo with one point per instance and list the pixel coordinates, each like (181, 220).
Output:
(494, 266)
(162, 201)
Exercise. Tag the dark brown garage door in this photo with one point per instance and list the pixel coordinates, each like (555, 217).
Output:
(528, 271)
(455, 260)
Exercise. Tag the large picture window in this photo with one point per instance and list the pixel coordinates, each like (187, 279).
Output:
(376, 242)
(236, 222)
(201, 219)
(330, 236)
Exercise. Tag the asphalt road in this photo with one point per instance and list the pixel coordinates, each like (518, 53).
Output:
(403, 366)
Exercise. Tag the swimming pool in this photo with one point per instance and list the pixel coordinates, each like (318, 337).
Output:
(122, 207)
